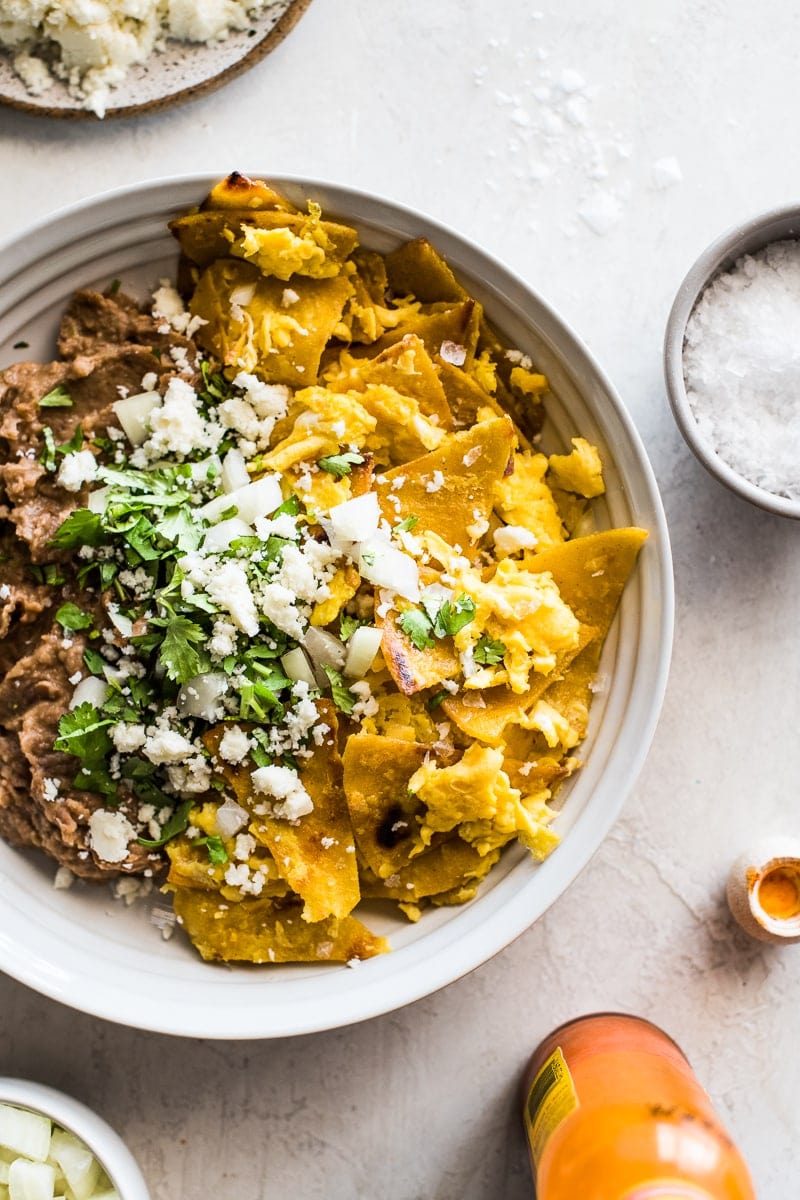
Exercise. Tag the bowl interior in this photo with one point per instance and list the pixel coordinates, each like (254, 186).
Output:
(747, 238)
(82, 947)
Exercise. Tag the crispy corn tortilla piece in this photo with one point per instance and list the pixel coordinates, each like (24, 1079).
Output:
(240, 192)
(465, 396)
(451, 865)
(590, 574)
(527, 412)
(315, 854)
(470, 463)
(263, 931)
(218, 233)
(406, 367)
(413, 670)
(484, 715)
(383, 815)
(279, 344)
(459, 323)
(417, 268)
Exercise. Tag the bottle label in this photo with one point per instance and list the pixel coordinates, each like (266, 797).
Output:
(550, 1101)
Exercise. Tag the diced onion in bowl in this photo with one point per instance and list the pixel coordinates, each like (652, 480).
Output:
(257, 499)
(98, 500)
(134, 412)
(201, 696)
(90, 690)
(297, 667)
(234, 471)
(355, 520)
(78, 1165)
(325, 649)
(31, 1180)
(23, 1132)
(121, 623)
(364, 644)
(219, 537)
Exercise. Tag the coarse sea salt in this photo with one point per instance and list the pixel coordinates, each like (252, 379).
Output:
(741, 366)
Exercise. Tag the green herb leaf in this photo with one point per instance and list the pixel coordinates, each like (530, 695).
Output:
(217, 854)
(21, 345)
(290, 506)
(343, 698)
(94, 661)
(177, 651)
(75, 443)
(114, 287)
(175, 825)
(340, 464)
(417, 626)
(406, 525)
(59, 397)
(437, 699)
(489, 652)
(348, 625)
(81, 528)
(48, 456)
(453, 617)
(83, 732)
(69, 616)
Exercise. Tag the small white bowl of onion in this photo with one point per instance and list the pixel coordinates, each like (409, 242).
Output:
(52, 1147)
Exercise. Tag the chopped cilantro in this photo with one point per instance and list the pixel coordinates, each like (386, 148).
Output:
(453, 617)
(175, 825)
(83, 732)
(59, 397)
(368, 558)
(69, 616)
(418, 627)
(217, 854)
(343, 698)
(177, 651)
(81, 528)
(437, 699)
(290, 506)
(74, 443)
(48, 456)
(348, 625)
(489, 652)
(21, 345)
(406, 525)
(94, 661)
(340, 464)
(114, 287)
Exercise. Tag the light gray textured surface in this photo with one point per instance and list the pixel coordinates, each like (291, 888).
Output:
(435, 105)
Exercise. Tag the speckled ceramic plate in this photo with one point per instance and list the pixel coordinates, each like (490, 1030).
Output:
(89, 951)
(181, 72)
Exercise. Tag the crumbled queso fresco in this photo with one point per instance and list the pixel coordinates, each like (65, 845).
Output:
(214, 575)
(741, 363)
(91, 44)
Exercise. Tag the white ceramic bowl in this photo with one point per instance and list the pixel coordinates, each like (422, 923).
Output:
(106, 1145)
(85, 949)
(747, 238)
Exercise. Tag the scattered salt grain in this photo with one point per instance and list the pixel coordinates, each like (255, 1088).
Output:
(741, 363)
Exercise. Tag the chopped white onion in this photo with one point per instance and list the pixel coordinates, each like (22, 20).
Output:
(134, 414)
(234, 471)
(355, 520)
(364, 644)
(90, 690)
(387, 567)
(201, 696)
(257, 499)
(219, 537)
(31, 1180)
(24, 1132)
(230, 818)
(98, 500)
(78, 1165)
(325, 649)
(297, 667)
(121, 623)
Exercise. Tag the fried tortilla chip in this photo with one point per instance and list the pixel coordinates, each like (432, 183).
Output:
(264, 931)
(239, 192)
(418, 269)
(413, 669)
(384, 816)
(451, 489)
(465, 396)
(248, 326)
(408, 368)
(438, 323)
(453, 864)
(283, 244)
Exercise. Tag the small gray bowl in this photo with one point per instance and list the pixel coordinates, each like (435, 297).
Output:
(780, 224)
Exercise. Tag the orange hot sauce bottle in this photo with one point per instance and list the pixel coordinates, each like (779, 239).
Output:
(613, 1111)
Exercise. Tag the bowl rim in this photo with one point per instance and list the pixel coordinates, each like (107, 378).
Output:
(466, 950)
(76, 1117)
(736, 241)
